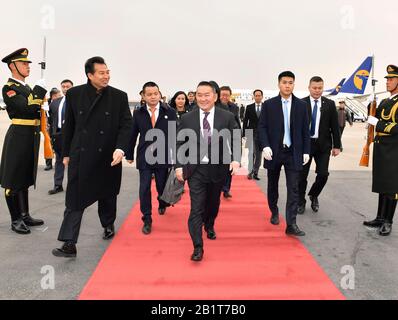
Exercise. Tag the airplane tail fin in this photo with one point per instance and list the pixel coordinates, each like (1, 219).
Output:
(356, 84)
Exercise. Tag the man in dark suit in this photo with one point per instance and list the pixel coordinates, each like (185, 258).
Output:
(285, 139)
(226, 104)
(56, 120)
(210, 159)
(159, 116)
(96, 134)
(191, 100)
(250, 122)
(325, 141)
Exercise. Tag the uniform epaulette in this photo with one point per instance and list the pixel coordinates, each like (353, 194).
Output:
(10, 83)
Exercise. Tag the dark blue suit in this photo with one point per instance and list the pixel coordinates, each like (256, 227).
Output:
(141, 126)
(271, 132)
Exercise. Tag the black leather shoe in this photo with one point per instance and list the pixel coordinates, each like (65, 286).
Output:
(227, 195)
(211, 234)
(250, 176)
(376, 223)
(255, 177)
(20, 227)
(385, 229)
(275, 220)
(109, 232)
(162, 211)
(48, 167)
(197, 254)
(147, 228)
(57, 189)
(301, 209)
(30, 222)
(294, 230)
(68, 250)
(314, 203)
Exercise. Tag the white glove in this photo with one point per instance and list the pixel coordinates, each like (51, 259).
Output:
(42, 83)
(268, 153)
(373, 121)
(306, 158)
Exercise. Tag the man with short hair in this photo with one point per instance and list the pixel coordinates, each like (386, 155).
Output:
(191, 100)
(18, 169)
(325, 141)
(285, 140)
(206, 174)
(154, 115)
(96, 136)
(57, 120)
(250, 122)
(228, 105)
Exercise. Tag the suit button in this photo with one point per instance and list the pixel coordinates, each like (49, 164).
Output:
(99, 150)
(80, 112)
(102, 132)
(85, 131)
(107, 113)
(82, 149)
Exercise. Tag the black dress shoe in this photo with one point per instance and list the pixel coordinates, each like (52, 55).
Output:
(20, 227)
(162, 211)
(227, 195)
(147, 228)
(250, 176)
(314, 203)
(57, 189)
(48, 167)
(255, 177)
(68, 250)
(376, 223)
(275, 220)
(301, 209)
(30, 222)
(294, 230)
(211, 234)
(385, 229)
(109, 232)
(197, 254)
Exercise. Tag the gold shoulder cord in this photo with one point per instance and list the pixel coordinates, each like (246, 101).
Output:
(391, 116)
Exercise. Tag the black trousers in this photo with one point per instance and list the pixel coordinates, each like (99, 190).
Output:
(285, 159)
(255, 156)
(205, 203)
(161, 175)
(70, 227)
(59, 165)
(322, 159)
(228, 183)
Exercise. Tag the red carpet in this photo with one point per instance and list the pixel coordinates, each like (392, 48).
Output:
(250, 260)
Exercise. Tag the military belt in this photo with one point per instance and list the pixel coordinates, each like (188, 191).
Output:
(26, 122)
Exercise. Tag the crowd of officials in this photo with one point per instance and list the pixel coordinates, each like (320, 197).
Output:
(92, 129)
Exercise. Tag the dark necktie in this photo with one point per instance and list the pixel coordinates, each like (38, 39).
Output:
(314, 117)
(206, 128)
(63, 113)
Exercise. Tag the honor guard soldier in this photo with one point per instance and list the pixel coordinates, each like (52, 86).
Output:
(18, 166)
(385, 169)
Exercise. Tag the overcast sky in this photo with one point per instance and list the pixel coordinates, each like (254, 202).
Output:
(177, 43)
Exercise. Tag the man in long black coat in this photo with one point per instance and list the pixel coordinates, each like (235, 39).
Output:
(96, 134)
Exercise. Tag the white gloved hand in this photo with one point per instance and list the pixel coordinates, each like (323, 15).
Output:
(306, 158)
(373, 121)
(268, 153)
(42, 83)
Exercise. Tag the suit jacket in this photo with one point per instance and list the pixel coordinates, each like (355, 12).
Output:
(53, 119)
(271, 130)
(141, 125)
(251, 119)
(222, 120)
(329, 133)
(95, 126)
(234, 109)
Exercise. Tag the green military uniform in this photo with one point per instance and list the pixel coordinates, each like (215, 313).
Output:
(19, 158)
(385, 156)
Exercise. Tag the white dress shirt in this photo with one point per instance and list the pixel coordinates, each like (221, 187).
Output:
(318, 116)
(392, 97)
(19, 81)
(60, 108)
(156, 112)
